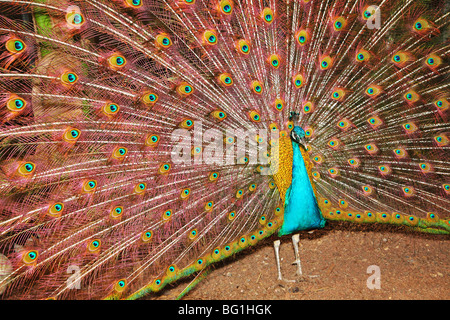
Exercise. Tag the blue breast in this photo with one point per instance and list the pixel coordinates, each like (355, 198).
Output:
(301, 211)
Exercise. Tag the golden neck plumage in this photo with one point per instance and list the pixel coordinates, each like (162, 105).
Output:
(283, 160)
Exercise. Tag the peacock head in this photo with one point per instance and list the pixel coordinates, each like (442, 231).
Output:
(297, 134)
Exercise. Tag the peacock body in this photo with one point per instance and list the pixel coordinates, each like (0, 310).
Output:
(142, 141)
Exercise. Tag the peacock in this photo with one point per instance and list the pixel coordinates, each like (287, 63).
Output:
(143, 141)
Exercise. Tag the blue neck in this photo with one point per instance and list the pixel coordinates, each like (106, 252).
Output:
(301, 211)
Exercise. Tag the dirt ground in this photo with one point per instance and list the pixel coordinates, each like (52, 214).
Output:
(412, 266)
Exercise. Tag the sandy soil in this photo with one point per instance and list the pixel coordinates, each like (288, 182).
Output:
(412, 266)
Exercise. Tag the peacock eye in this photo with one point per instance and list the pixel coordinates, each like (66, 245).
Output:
(397, 58)
(418, 26)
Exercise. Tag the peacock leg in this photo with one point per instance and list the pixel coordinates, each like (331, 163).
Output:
(276, 245)
(295, 241)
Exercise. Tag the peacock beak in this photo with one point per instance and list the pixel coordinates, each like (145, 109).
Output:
(302, 142)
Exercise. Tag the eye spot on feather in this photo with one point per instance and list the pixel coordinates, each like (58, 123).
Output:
(257, 87)
(15, 46)
(226, 7)
(441, 140)
(307, 107)
(210, 37)
(184, 89)
(164, 168)
(140, 188)
(167, 215)
(75, 19)
(274, 61)
(69, 78)
(384, 169)
(446, 188)
(303, 37)
(30, 257)
(243, 46)
(94, 246)
(134, 3)
(186, 124)
(146, 236)
(408, 191)
(267, 15)
(56, 210)
(325, 62)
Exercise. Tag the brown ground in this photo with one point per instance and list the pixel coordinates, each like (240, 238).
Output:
(412, 266)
